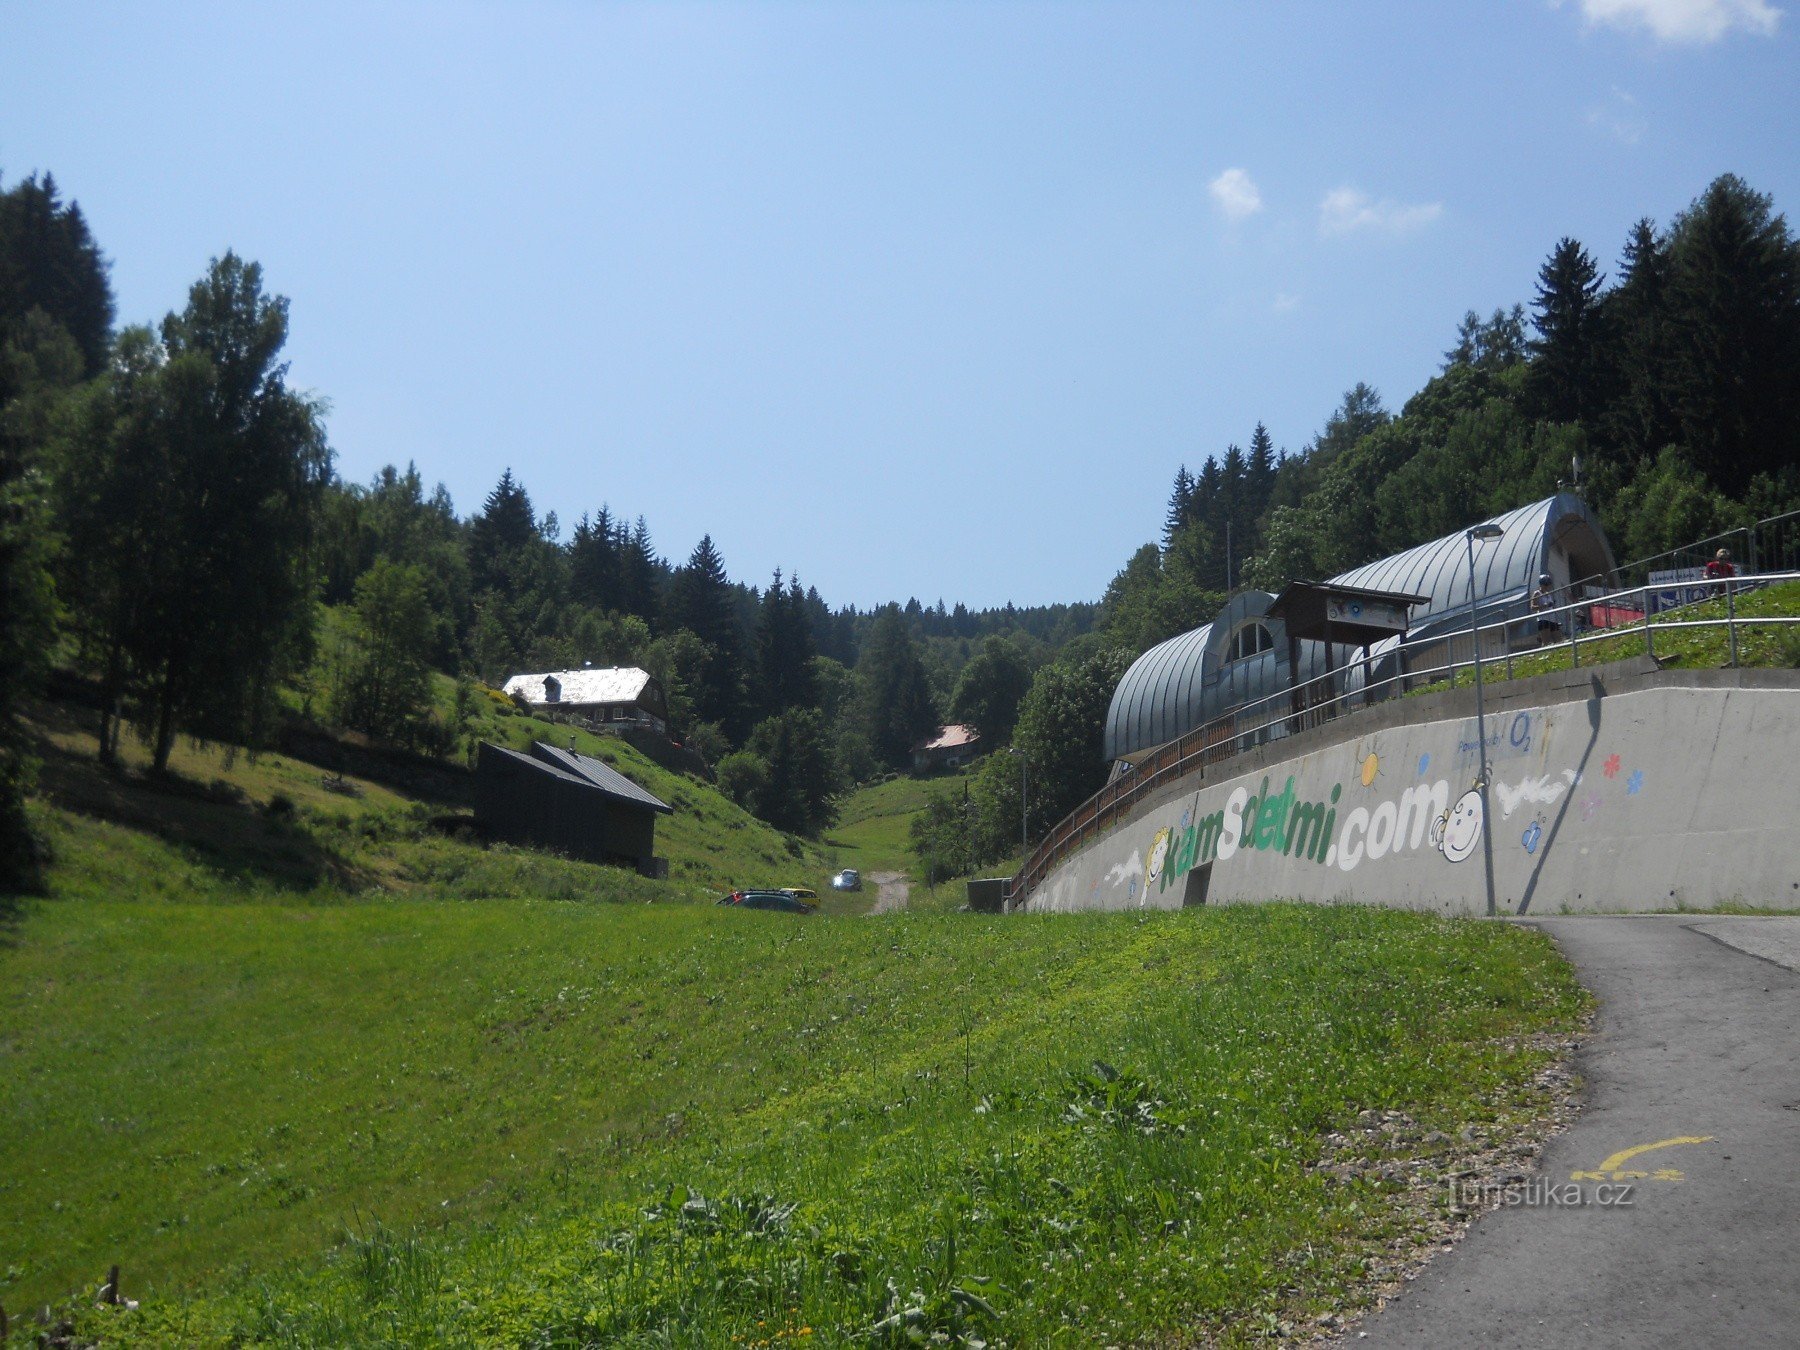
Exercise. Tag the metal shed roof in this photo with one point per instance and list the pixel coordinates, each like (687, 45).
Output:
(952, 737)
(598, 774)
(619, 684)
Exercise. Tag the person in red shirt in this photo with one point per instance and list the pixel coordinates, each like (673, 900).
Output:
(1720, 567)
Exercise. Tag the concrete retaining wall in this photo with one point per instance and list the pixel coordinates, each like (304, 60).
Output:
(1667, 795)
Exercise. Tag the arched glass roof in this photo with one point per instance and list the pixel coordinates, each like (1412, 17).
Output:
(1164, 693)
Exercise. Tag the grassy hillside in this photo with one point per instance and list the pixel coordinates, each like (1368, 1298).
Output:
(216, 814)
(1691, 648)
(596, 1123)
(319, 1075)
(872, 823)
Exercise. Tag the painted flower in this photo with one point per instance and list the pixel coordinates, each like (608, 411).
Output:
(1611, 767)
(1635, 783)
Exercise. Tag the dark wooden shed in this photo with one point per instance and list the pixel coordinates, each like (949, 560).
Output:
(568, 803)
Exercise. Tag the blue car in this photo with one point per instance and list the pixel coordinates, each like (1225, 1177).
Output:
(776, 900)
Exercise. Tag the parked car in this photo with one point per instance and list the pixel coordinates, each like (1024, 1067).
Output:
(847, 880)
(777, 900)
(769, 899)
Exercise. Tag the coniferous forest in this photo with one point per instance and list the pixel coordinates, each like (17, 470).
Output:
(174, 539)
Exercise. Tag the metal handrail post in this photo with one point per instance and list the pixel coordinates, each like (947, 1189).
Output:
(1731, 618)
(1649, 634)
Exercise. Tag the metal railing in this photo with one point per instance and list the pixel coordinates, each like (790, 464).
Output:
(1322, 698)
(1771, 545)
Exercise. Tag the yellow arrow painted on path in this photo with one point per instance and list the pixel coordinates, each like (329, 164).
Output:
(1615, 1165)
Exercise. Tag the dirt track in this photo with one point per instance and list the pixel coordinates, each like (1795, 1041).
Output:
(893, 894)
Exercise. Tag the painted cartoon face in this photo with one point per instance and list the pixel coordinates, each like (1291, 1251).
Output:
(1159, 854)
(1458, 830)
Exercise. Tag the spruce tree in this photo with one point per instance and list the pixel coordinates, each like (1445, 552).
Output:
(1181, 502)
(895, 703)
(1568, 353)
(701, 601)
(640, 574)
(50, 262)
(1735, 327)
(505, 528)
(595, 564)
(784, 651)
(1640, 418)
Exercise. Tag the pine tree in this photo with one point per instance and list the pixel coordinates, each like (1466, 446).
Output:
(1568, 353)
(1640, 419)
(895, 706)
(701, 601)
(49, 262)
(1735, 327)
(190, 482)
(784, 651)
(595, 565)
(1181, 502)
(640, 572)
(1492, 345)
(505, 528)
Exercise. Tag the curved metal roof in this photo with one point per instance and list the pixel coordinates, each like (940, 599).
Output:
(1505, 569)
(1160, 695)
(1176, 685)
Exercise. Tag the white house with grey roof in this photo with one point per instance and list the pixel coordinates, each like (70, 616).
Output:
(618, 696)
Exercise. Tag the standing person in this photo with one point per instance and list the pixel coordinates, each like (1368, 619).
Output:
(1720, 568)
(1543, 600)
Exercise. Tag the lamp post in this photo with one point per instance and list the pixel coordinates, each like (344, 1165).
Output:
(1486, 534)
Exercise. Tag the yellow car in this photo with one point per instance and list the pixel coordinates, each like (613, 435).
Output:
(801, 893)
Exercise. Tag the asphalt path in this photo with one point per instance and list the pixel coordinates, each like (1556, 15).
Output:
(1697, 1039)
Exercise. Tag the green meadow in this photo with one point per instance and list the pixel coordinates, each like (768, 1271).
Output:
(319, 1074)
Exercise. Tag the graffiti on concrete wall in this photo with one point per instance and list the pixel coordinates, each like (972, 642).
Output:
(1580, 812)
(1458, 830)
(1296, 826)
(1312, 828)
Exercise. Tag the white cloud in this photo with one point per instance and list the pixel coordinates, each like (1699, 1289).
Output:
(1235, 194)
(1346, 210)
(1694, 21)
(1285, 302)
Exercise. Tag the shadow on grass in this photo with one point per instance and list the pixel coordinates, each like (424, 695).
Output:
(22, 859)
(211, 824)
(17, 885)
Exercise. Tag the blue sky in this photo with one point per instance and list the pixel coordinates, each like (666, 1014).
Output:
(913, 299)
